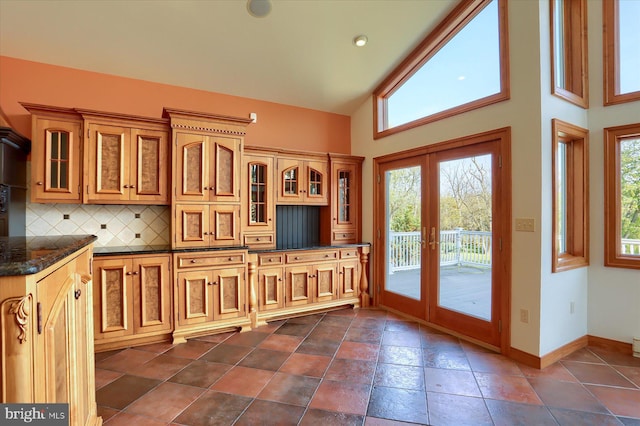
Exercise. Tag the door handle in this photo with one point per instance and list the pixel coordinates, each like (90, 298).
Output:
(432, 238)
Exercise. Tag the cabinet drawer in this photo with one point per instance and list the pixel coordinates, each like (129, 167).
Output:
(258, 239)
(311, 256)
(270, 259)
(344, 236)
(218, 259)
(349, 253)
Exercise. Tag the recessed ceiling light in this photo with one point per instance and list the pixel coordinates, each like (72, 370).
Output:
(259, 8)
(360, 40)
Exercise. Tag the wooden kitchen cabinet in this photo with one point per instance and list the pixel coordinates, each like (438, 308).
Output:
(258, 206)
(211, 292)
(206, 225)
(303, 179)
(340, 223)
(125, 164)
(56, 154)
(207, 168)
(47, 338)
(132, 300)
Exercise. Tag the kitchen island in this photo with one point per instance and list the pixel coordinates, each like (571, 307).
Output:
(46, 323)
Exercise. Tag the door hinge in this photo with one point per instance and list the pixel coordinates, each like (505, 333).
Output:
(500, 241)
(500, 161)
(88, 133)
(79, 189)
(378, 233)
(499, 326)
(39, 317)
(91, 265)
(87, 189)
(378, 178)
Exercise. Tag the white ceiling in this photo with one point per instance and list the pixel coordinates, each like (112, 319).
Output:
(300, 54)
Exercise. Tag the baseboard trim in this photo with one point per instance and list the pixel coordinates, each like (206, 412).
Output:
(548, 359)
(612, 345)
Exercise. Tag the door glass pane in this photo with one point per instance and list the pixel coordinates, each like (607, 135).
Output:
(464, 237)
(629, 197)
(403, 224)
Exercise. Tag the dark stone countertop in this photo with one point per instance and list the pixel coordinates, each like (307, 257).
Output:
(29, 255)
(161, 249)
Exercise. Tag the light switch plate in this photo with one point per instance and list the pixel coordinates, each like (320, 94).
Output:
(524, 224)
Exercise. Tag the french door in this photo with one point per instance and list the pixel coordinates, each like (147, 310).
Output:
(443, 233)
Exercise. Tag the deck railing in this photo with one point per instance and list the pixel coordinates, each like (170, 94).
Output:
(630, 246)
(457, 247)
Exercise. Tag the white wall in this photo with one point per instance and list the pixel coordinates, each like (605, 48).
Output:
(558, 325)
(614, 293)
(522, 113)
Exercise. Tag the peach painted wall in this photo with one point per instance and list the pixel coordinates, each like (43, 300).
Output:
(278, 125)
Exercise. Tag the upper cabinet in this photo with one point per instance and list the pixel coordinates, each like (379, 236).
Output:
(207, 158)
(258, 206)
(302, 179)
(56, 152)
(341, 222)
(207, 168)
(125, 160)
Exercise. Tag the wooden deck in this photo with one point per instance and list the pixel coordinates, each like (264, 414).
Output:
(464, 289)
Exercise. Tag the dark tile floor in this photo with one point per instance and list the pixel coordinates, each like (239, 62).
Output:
(363, 367)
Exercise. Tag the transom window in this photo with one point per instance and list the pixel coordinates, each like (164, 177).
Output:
(460, 66)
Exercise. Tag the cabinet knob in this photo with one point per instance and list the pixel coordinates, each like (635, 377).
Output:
(77, 294)
(39, 183)
(194, 261)
(209, 283)
(258, 239)
(296, 258)
(230, 259)
(270, 260)
(132, 186)
(279, 279)
(125, 186)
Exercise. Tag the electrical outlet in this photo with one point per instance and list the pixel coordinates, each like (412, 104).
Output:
(524, 316)
(524, 224)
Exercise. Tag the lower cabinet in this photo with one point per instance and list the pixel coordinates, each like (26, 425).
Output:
(132, 300)
(211, 293)
(47, 338)
(296, 282)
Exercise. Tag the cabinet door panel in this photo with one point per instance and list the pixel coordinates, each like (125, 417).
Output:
(113, 308)
(349, 279)
(149, 151)
(192, 168)
(55, 161)
(226, 182)
(229, 301)
(151, 295)
(194, 297)
(289, 181)
(325, 278)
(192, 225)
(108, 163)
(225, 225)
(316, 190)
(298, 282)
(270, 289)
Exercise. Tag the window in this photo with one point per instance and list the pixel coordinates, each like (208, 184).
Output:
(621, 39)
(570, 179)
(460, 66)
(569, 74)
(622, 196)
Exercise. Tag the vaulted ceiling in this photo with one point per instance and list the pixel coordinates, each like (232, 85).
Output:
(301, 53)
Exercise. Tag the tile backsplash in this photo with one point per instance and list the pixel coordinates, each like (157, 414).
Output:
(114, 225)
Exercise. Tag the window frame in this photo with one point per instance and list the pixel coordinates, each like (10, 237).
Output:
(611, 60)
(574, 53)
(462, 14)
(612, 139)
(576, 140)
